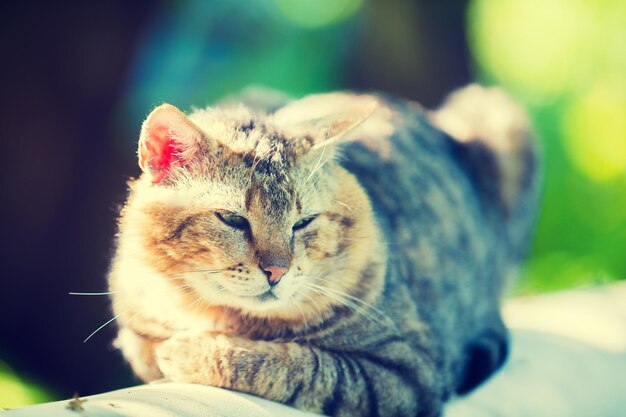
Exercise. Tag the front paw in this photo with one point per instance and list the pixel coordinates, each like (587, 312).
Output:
(189, 357)
(139, 352)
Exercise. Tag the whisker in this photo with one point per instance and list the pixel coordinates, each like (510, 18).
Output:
(342, 301)
(206, 271)
(117, 315)
(317, 165)
(304, 319)
(343, 204)
(93, 293)
(199, 301)
(366, 238)
(199, 271)
(365, 303)
(104, 325)
(343, 293)
(351, 302)
(319, 311)
(352, 306)
(131, 319)
(255, 162)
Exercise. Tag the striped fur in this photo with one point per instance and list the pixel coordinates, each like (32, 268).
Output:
(390, 304)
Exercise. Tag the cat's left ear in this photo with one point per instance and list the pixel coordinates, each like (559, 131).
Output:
(168, 140)
(327, 118)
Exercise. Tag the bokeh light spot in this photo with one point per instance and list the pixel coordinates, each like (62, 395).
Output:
(594, 131)
(530, 45)
(542, 48)
(317, 13)
(16, 393)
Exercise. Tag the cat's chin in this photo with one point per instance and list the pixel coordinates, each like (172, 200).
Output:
(264, 302)
(265, 297)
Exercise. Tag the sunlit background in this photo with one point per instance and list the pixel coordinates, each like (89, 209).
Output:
(78, 80)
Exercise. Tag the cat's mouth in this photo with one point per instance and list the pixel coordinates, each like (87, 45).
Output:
(266, 296)
(262, 297)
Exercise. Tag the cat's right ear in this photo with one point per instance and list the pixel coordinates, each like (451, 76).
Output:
(326, 118)
(168, 140)
(332, 118)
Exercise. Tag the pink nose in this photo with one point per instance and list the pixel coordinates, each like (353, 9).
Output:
(274, 273)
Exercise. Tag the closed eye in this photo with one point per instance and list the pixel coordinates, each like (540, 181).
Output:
(304, 222)
(234, 220)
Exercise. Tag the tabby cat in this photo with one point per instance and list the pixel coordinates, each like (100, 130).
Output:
(343, 253)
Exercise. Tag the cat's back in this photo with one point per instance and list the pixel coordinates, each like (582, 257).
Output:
(466, 170)
(456, 214)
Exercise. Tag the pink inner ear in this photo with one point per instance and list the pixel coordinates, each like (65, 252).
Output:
(161, 152)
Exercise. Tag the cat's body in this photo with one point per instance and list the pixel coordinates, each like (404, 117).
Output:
(384, 303)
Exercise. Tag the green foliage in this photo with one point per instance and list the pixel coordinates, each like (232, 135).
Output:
(15, 392)
(563, 59)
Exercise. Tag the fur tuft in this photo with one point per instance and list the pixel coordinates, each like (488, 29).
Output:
(486, 117)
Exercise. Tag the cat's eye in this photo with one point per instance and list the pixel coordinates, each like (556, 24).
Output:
(234, 220)
(304, 222)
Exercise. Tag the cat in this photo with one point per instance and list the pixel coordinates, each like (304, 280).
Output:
(343, 253)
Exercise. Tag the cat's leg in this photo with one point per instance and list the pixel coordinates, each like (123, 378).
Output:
(484, 355)
(304, 376)
(139, 353)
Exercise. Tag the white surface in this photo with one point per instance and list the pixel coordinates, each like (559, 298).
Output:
(568, 359)
(165, 400)
(550, 376)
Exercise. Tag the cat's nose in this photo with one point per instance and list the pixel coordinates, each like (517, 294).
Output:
(274, 273)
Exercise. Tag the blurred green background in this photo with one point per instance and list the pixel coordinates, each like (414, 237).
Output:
(106, 67)
(565, 60)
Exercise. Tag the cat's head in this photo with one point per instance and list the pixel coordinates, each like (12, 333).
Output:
(252, 211)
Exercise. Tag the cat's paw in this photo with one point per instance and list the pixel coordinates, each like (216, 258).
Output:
(188, 357)
(139, 352)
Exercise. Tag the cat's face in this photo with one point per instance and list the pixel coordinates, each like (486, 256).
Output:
(248, 211)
